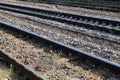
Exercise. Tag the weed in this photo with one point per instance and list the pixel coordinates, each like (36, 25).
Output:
(6, 72)
(55, 55)
(115, 61)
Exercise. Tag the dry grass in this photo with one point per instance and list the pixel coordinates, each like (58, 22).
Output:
(6, 73)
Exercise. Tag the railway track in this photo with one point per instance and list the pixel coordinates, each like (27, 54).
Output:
(20, 66)
(87, 56)
(105, 25)
(99, 46)
(85, 5)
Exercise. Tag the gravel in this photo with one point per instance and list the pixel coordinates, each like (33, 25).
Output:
(52, 63)
(96, 46)
(59, 66)
(69, 9)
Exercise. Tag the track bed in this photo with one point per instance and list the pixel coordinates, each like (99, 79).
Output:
(106, 46)
(75, 10)
(60, 63)
(53, 60)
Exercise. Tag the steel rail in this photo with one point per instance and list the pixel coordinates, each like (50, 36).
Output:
(106, 25)
(84, 5)
(28, 72)
(114, 67)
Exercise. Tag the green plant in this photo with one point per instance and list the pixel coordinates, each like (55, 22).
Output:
(55, 55)
(6, 72)
(115, 61)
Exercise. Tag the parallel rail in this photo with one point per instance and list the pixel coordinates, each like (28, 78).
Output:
(85, 5)
(24, 70)
(106, 25)
(96, 60)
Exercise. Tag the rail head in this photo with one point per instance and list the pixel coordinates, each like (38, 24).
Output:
(97, 60)
(106, 25)
(28, 72)
(59, 12)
